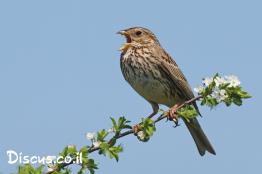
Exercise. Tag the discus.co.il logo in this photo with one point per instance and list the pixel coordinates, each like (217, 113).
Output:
(20, 158)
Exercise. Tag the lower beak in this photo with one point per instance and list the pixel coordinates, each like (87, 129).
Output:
(124, 47)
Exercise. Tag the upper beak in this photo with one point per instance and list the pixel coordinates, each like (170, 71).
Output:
(122, 32)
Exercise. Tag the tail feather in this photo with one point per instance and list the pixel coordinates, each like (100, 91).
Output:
(199, 137)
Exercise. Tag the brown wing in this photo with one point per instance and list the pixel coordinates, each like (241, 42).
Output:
(168, 66)
(171, 70)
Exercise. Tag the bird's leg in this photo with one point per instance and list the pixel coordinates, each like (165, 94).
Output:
(136, 128)
(172, 114)
(155, 109)
(152, 114)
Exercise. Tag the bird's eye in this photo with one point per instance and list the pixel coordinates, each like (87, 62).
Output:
(138, 33)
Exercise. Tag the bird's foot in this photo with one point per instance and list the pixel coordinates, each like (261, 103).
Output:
(172, 115)
(152, 115)
(136, 128)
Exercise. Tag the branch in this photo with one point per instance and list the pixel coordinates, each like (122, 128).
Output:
(128, 132)
(213, 91)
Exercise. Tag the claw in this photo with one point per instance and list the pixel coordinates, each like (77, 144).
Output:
(172, 115)
(176, 124)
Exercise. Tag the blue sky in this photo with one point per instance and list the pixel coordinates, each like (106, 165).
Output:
(60, 78)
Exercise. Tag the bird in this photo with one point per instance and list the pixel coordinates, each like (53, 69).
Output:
(154, 75)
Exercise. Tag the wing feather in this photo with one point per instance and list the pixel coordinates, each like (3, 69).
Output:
(171, 70)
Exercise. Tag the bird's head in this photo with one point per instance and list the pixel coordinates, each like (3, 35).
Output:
(137, 36)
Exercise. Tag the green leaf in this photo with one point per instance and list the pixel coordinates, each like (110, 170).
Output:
(237, 101)
(209, 101)
(104, 146)
(114, 151)
(88, 164)
(123, 123)
(64, 152)
(188, 112)
(71, 150)
(91, 166)
(115, 126)
(102, 135)
(148, 127)
(84, 151)
(235, 95)
(243, 94)
(111, 151)
(28, 169)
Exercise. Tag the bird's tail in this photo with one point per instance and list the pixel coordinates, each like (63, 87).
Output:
(199, 137)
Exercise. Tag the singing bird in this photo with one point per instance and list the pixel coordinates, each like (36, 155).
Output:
(153, 74)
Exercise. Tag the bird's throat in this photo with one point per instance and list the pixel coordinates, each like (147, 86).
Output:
(124, 47)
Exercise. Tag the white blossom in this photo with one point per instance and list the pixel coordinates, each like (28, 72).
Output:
(50, 159)
(219, 94)
(199, 89)
(50, 170)
(111, 130)
(220, 81)
(232, 80)
(141, 135)
(90, 135)
(207, 81)
(71, 146)
(96, 144)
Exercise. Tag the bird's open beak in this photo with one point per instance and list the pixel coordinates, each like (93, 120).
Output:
(122, 32)
(126, 45)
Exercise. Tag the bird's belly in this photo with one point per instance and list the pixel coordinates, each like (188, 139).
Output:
(152, 89)
(146, 79)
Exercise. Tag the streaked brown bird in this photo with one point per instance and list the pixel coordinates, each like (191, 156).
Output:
(153, 74)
